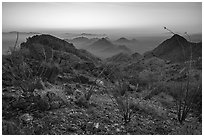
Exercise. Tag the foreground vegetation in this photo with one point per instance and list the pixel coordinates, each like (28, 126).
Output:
(56, 89)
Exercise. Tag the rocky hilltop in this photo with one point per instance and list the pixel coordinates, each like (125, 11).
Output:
(176, 49)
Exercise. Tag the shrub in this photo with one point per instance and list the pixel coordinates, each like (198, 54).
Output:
(157, 89)
(122, 101)
(49, 71)
(192, 128)
(10, 128)
(186, 99)
(89, 93)
(52, 97)
(148, 78)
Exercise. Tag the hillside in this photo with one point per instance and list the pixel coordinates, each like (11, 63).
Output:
(122, 40)
(136, 56)
(80, 39)
(176, 49)
(124, 58)
(119, 58)
(101, 44)
(57, 44)
(82, 42)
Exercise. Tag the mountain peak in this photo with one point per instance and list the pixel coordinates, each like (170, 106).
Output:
(178, 38)
(123, 38)
(136, 55)
(101, 44)
(80, 38)
(104, 41)
(176, 49)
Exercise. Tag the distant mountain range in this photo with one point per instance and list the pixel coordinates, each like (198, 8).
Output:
(80, 39)
(88, 35)
(123, 40)
(173, 50)
(101, 44)
(176, 49)
(82, 42)
(105, 48)
(12, 32)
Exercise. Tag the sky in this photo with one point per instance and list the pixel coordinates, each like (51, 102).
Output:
(133, 18)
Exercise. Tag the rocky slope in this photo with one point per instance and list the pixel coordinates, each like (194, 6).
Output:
(57, 44)
(176, 49)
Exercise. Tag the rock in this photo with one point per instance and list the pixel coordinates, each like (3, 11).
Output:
(26, 118)
(100, 82)
(96, 125)
(55, 104)
(68, 89)
(117, 129)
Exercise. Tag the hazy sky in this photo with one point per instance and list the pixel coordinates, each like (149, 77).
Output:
(103, 17)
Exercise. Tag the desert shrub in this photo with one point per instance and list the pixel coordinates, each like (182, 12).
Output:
(186, 99)
(193, 128)
(111, 72)
(82, 102)
(68, 89)
(79, 97)
(197, 105)
(152, 107)
(157, 88)
(10, 128)
(22, 66)
(148, 78)
(17, 100)
(123, 101)
(89, 93)
(52, 97)
(118, 91)
(43, 98)
(14, 68)
(49, 71)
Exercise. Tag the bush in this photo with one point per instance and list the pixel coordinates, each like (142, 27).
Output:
(10, 128)
(122, 101)
(186, 99)
(192, 128)
(157, 89)
(52, 97)
(49, 71)
(148, 78)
